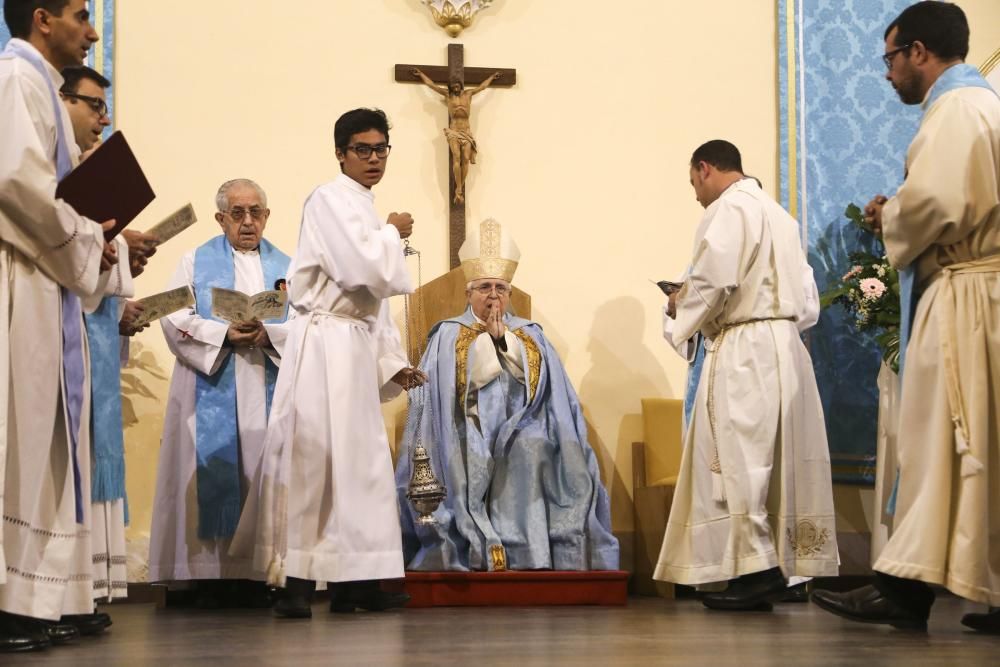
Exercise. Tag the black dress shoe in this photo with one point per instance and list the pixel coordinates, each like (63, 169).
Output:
(56, 632)
(60, 633)
(347, 597)
(88, 624)
(18, 643)
(869, 605)
(796, 593)
(751, 592)
(988, 623)
(15, 637)
(295, 600)
(251, 595)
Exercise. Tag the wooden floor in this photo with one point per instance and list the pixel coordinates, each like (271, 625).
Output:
(646, 632)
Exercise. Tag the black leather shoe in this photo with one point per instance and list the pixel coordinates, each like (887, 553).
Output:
(869, 605)
(295, 600)
(60, 633)
(17, 643)
(988, 623)
(751, 592)
(16, 637)
(796, 593)
(88, 624)
(346, 597)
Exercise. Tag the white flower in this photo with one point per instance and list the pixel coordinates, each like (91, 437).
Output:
(872, 289)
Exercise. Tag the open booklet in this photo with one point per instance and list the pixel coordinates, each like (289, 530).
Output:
(173, 224)
(163, 304)
(234, 306)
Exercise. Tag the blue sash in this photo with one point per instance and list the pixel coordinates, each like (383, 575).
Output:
(216, 428)
(107, 440)
(694, 377)
(74, 372)
(953, 78)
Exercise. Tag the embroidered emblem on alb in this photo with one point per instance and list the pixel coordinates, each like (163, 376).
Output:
(808, 538)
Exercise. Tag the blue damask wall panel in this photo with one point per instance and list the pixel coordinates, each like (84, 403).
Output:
(844, 135)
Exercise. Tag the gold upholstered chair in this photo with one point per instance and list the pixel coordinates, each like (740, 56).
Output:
(656, 462)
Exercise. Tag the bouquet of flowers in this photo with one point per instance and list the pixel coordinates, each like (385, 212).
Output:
(869, 291)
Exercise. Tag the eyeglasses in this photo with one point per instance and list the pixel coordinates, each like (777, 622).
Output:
(238, 214)
(99, 106)
(364, 151)
(888, 56)
(499, 288)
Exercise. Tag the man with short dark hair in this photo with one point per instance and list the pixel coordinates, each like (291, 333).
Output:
(51, 256)
(942, 231)
(108, 315)
(754, 500)
(327, 503)
(83, 92)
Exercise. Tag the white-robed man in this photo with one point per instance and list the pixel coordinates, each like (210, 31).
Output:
(217, 409)
(942, 231)
(107, 315)
(754, 500)
(49, 256)
(327, 504)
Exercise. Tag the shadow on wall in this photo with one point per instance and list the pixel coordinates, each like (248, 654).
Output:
(141, 365)
(623, 371)
(144, 386)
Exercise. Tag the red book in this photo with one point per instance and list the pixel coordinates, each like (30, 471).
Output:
(109, 184)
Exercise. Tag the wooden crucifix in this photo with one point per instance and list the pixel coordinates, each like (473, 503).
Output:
(451, 81)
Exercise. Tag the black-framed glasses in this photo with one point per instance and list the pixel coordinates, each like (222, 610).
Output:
(99, 106)
(486, 288)
(364, 151)
(238, 214)
(888, 56)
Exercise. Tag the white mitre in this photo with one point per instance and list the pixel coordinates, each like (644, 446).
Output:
(489, 252)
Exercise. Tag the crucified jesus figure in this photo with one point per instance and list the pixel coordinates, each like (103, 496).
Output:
(459, 131)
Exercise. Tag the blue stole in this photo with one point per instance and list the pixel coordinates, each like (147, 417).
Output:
(216, 429)
(953, 78)
(74, 371)
(106, 437)
(694, 377)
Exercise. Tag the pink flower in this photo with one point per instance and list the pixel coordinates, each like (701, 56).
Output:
(872, 289)
(855, 270)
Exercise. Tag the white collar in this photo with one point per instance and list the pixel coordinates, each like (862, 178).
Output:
(346, 181)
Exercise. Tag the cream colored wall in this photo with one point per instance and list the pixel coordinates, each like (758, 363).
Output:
(584, 161)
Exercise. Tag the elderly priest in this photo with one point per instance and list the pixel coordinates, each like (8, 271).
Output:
(504, 426)
(218, 405)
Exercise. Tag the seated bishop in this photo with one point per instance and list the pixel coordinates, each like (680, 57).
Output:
(506, 436)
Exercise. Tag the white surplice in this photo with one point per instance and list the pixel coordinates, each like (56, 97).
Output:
(757, 409)
(44, 570)
(945, 221)
(175, 551)
(326, 508)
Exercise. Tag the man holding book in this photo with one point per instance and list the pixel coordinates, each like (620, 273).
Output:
(50, 256)
(219, 399)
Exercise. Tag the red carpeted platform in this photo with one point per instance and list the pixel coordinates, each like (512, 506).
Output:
(516, 589)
